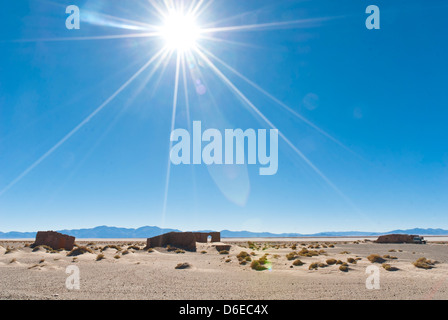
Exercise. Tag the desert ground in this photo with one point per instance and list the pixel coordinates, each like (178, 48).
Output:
(125, 270)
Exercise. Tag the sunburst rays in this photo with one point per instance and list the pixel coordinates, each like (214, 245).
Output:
(195, 9)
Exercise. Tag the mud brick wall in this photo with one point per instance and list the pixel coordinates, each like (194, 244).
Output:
(183, 240)
(54, 240)
(395, 238)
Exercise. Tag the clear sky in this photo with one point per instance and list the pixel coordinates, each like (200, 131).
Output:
(378, 100)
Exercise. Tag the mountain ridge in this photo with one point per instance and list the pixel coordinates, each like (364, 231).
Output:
(151, 231)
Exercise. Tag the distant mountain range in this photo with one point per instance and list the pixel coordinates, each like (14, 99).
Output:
(147, 232)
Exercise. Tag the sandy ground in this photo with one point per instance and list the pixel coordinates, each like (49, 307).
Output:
(140, 274)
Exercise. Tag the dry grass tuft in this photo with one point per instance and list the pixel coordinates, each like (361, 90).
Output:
(375, 258)
(351, 260)
(313, 266)
(256, 265)
(184, 265)
(78, 251)
(343, 268)
(388, 267)
(112, 246)
(331, 261)
(291, 255)
(424, 263)
(298, 262)
(100, 257)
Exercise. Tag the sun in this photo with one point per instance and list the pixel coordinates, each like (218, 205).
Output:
(180, 31)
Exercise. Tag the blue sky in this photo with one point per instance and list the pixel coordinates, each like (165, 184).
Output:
(381, 93)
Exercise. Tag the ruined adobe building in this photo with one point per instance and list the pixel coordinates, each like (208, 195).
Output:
(54, 240)
(183, 240)
(396, 238)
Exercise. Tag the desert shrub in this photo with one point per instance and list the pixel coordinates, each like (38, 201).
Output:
(339, 262)
(149, 250)
(298, 262)
(343, 268)
(203, 252)
(117, 256)
(228, 260)
(248, 259)
(331, 245)
(276, 256)
(392, 250)
(125, 252)
(179, 251)
(351, 260)
(423, 263)
(78, 251)
(13, 260)
(41, 260)
(313, 266)
(253, 253)
(331, 261)
(375, 258)
(134, 247)
(256, 265)
(100, 257)
(322, 251)
(344, 252)
(243, 262)
(388, 267)
(242, 255)
(294, 247)
(224, 252)
(184, 265)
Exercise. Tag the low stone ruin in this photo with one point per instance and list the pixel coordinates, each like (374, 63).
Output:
(183, 240)
(54, 240)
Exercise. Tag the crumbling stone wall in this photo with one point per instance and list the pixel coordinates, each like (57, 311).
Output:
(54, 240)
(396, 238)
(183, 240)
